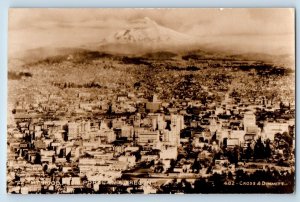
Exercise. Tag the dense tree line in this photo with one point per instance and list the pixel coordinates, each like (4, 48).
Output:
(74, 85)
(18, 75)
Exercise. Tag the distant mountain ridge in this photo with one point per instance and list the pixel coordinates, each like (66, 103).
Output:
(147, 39)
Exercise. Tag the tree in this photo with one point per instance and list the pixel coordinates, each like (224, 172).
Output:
(202, 186)
(172, 165)
(248, 152)
(236, 155)
(196, 166)
(218, 181)
(186, 186)
(287, 138)
(259, 149)
(233, 155)
(268, 150)
(284, 141)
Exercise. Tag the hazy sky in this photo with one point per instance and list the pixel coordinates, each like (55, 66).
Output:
(265, 30)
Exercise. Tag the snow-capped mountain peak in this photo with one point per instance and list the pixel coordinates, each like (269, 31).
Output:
(147, 32)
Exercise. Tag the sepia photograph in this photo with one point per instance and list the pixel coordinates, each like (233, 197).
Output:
(151, 101)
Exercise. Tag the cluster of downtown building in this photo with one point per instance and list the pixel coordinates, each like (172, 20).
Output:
(80, 153)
